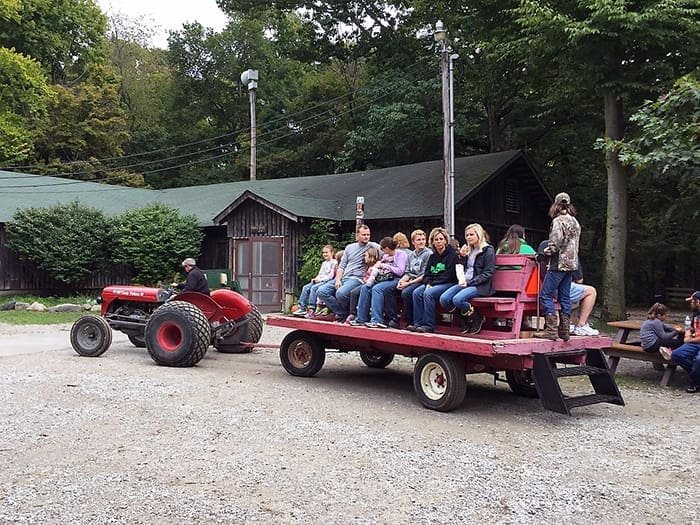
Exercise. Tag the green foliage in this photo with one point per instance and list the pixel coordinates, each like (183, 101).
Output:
(24, 96)
(65, 36)
(321, 232)
(69, 241)
(85, 121)
(154, 240)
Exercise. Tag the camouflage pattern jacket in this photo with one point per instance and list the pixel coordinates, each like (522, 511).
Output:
(564, 235)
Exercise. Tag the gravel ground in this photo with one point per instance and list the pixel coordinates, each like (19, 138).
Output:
(117, 439)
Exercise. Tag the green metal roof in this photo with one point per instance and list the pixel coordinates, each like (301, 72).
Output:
(414, 190)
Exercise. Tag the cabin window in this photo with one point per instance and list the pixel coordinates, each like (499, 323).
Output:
(512, 196)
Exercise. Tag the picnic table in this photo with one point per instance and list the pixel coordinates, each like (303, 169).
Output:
(623, 347)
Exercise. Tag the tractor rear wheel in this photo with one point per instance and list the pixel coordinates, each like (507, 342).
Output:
(90, 336)
(177, 334)
(251, 332)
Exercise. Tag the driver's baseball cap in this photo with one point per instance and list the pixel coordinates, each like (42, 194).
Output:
(189, 262)
(695, 296)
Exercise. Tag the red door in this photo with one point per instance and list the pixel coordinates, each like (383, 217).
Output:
(258, 270)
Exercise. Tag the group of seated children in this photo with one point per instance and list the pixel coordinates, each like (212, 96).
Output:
(368, 278)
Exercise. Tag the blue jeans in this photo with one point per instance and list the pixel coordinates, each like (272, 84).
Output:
(688, 357)
(309, 291)
(379, 293)
(559, 283)
(424, 300)
(406, 299)
(458, 297)
(338, 300)
(364, 303)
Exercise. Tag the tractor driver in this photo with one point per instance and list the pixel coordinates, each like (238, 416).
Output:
(196, 280)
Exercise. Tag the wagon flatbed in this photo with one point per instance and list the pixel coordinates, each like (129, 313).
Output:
(444, 360)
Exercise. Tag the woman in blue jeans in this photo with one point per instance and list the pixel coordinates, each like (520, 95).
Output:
(439, 276)
(475, 278)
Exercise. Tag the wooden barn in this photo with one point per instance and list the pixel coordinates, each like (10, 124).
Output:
(255, 227)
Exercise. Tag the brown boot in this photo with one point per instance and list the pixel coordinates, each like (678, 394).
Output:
(564, 324)
(550, 328)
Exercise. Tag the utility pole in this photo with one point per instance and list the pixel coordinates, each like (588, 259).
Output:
(250, 78)
(448, 152)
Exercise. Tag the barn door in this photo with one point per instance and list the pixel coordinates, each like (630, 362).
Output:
(258, 270)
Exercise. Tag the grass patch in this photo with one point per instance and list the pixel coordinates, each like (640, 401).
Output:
(23, 317)
(20, 317)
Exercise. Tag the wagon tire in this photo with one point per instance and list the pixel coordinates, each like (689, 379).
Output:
(521, 383)
(251, 332)
(440, 381)
(177, 334)
(90, 336)
(302, 354)
(376, 359)
(139, 341)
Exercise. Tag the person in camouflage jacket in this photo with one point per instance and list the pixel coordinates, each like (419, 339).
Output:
(564, 236)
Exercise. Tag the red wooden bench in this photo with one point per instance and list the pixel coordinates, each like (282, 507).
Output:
(517, 283)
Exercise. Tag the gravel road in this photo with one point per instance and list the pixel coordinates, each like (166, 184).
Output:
(119, 440)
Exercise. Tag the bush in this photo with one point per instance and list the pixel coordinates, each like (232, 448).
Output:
(321, 232)
(69, 241)
(154, 240)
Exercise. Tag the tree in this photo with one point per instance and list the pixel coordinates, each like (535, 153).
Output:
(154, 240)
(24, 96)
(613, 50)
(64, 36)
(69, 241)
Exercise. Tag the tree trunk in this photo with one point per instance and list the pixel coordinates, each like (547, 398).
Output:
(616, 227)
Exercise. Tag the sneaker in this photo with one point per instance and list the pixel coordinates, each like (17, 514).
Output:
(372, 325)
(585, 330)
(572, 329)
(411, 328)
(393, 324)
(424, 330)
(349, 319)
(665, 352)
(693, 389)
(381, 325)
(357, 322)
(300, 311)
(325, 311)
(477, 323)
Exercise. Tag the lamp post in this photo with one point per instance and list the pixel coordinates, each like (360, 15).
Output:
(250, 79)
(448, 152)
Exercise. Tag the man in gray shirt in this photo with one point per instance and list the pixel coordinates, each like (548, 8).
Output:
(336, 294)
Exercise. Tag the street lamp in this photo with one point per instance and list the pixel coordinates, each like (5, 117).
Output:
(448, 152)
(250, 79)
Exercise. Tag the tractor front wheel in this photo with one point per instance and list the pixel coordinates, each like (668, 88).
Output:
(139, 341)
(90, 336)
(177, 334)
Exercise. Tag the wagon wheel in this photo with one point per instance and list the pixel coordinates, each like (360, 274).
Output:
(376, 359)
(440, 381)
(90, 336)
(251, 332)
(301, 354)
(139, 341)
(521, 383)
(177, 334)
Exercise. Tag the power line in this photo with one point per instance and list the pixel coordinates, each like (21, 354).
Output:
(202, 141)
(196, 161)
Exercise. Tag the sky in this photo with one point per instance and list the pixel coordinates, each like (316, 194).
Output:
(165, 15)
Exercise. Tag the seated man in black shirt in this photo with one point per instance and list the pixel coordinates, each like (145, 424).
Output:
(196, 280)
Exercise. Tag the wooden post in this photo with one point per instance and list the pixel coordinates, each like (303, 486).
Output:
(359, 211)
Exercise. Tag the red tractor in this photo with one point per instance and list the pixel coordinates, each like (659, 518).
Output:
(175, 328)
